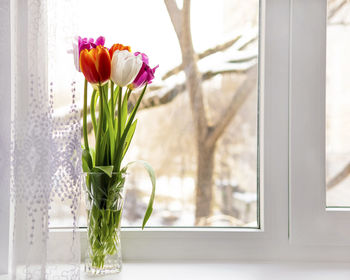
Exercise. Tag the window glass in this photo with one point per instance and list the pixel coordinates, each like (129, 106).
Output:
(225, 38)
(338, 104)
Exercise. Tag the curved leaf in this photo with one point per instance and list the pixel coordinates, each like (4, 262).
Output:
(152, 176)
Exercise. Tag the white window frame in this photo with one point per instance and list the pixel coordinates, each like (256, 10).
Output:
(311, 221)
(295, 224)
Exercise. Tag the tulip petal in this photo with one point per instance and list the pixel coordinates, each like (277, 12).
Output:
(87, 66)
(100, 41)
(125, 67)
(143, 56)
(103, 63)
(118, 47)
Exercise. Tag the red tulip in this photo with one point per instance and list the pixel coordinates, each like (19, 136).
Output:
(96, 64)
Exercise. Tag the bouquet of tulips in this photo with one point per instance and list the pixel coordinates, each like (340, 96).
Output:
(113, 74)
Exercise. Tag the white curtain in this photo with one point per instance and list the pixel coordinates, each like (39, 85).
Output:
(45, 163)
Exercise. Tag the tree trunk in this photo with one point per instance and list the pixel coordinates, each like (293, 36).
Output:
(206, 135)
(204, 184)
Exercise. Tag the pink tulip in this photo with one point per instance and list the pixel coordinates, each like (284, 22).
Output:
(146, 73)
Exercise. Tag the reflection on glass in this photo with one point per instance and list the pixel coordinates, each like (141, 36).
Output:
(211, 184)
(338, 104)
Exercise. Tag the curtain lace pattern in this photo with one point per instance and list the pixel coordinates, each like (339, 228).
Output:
(45, 165)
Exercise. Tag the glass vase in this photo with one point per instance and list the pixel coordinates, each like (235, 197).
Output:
(104, 204)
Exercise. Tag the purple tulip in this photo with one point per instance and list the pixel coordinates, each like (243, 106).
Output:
(146, 73)
(85, 43)
(143, 56)
(100, 41)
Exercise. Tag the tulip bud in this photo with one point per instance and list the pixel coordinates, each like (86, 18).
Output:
(95, 64)
(146, 73)
(125, 67)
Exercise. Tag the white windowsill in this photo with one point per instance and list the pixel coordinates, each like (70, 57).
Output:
(223, 271)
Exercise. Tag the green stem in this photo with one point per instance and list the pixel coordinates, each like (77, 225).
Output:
(112, 101)
(99, 128)
(115, 96)
(128, 93)
(86, 142)
(119, 113)
(92, 111)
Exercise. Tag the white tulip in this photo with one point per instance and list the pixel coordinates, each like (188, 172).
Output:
(125, 67)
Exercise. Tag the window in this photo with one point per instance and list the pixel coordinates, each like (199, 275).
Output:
(291, 140)
(273, 144)
(227, 46)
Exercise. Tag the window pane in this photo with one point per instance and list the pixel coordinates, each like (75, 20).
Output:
(338, 104)
(225, 37)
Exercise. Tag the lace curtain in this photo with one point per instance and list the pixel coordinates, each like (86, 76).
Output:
(45, 167)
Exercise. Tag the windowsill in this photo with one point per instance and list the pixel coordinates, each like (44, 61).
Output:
(226, 270)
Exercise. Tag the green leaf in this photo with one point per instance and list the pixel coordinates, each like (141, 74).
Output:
(86, 160)
(106, 169)
(97, 190)
(113, 102)
(99, 153)
(116, 93)
(92, 151)
(102, 149)
(152, 176)
(124, 114)
(129, 137)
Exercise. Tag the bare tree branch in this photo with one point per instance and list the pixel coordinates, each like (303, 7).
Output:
(339, 177)
(164, 96)
(240, 41)
(219, 48)
(240, 96)
(206, 53)
(175, 16)
(227, 70)
(341, 23)
(337, 7)
(245, 41)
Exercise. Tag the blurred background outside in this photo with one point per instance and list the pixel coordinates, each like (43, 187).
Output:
(338, 104)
